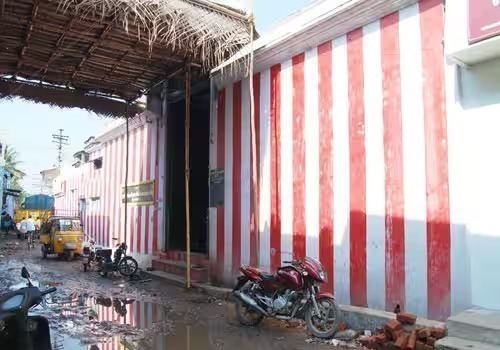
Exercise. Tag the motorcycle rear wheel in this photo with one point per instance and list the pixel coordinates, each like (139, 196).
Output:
(328, 314)
(128, 266)
(246, 315)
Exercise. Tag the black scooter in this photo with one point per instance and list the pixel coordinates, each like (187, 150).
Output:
(18, 330)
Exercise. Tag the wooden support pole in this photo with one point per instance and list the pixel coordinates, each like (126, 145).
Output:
(255, 260)
(126, 171)
(187, 170)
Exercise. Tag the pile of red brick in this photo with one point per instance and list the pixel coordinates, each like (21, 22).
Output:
(401, 334)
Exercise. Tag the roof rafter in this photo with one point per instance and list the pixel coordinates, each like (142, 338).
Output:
(118, 61)
(91, 49)
(57, 48)
(27, 35)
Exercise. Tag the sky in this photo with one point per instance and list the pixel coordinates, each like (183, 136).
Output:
(28, 127)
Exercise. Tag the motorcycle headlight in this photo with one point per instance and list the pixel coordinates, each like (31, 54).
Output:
(322, 275)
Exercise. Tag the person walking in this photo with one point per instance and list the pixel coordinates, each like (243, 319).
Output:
(38, 224)
(30, 226)
(23, 228)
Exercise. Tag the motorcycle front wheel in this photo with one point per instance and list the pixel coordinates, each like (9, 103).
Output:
(326, 323)
(128, 266)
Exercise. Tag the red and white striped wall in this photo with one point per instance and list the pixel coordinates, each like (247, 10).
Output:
(107, 219)
(353, 165)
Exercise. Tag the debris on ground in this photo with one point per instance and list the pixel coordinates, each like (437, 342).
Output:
(8, 249)
(51, 284)
(340, 344)
(347, 335)
(342, 327)
(401, 333)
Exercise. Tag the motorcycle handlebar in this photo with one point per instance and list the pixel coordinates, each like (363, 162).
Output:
(49, 290)
(293, 262)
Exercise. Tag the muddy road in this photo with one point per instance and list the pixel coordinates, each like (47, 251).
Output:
(91, 312)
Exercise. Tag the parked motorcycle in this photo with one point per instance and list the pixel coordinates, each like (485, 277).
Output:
(122, 263)
(18, 331)
(88, 254)
(292, 293)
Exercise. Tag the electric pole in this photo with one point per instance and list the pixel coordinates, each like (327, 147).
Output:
(60, 140)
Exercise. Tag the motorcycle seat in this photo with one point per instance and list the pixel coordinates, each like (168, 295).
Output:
(267, 277)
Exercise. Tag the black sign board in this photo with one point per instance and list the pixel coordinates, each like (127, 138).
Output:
(216, 187)
(142, 193)
(11, 192)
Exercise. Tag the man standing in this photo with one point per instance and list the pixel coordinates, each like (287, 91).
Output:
(37, 227)
(23, 228)
(30, 226)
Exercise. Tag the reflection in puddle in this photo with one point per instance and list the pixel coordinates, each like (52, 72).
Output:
(100, 323)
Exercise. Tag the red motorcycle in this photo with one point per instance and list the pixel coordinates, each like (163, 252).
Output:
(292, 293)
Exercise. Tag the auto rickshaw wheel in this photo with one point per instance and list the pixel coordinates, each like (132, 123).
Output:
(71, 255)
(44, 252)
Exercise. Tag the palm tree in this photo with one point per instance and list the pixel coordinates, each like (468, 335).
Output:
(12, 164)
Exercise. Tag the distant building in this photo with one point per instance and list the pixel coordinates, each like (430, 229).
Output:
(47, 181)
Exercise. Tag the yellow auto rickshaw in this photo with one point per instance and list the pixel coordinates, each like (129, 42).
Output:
(62, 236)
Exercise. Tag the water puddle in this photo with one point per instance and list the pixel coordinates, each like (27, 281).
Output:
(92, 323)
(96, 321)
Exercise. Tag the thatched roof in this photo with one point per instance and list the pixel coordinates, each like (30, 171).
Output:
(117, 48)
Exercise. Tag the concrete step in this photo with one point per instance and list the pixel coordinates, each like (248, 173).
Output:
(453, 343)
(476, 324)
(196, 258)
(199, 273)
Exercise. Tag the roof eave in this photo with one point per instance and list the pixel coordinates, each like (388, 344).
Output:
(316, 24)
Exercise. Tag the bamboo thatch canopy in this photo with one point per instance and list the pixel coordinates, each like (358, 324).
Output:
(118, 48)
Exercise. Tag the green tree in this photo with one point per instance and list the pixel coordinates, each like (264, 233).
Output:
(12, 165)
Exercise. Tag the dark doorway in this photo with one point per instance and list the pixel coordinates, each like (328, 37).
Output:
(199, 164)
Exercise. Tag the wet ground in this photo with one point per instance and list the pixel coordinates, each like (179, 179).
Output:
(91, 312)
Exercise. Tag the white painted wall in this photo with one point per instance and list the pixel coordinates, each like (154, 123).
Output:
(480, 102)
(456, 26)
(473, 105)
(474, 121)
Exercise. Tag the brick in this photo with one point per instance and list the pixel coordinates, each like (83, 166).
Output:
(405, 318)
(431, 341)
(438, 333)
(342, 327)
(381, 338)
(393, 325)
(397, 334)
(388, 345)
(419, 345)
(391, 328)
(423, 333)
(401, 341)
(368, 342)
(412, 340)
